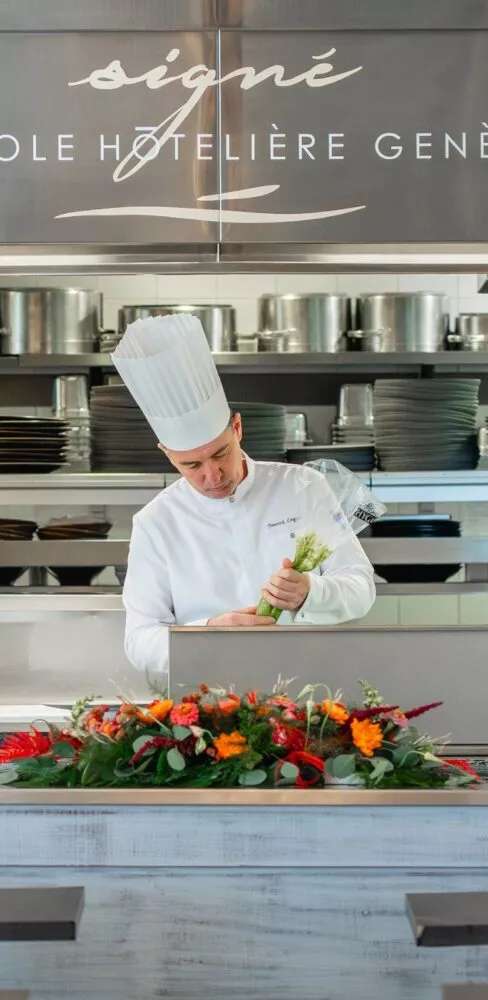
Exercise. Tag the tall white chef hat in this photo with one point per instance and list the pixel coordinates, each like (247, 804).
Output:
(167, 366)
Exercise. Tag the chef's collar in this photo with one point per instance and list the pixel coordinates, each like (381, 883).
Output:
(220, 506)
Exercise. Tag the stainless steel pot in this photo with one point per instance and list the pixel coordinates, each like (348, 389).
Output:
(218, 321)
(315, 323)
(472, 331)
(49, 320)
(416, 322)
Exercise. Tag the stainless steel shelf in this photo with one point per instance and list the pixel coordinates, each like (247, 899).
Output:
(83, 489)
(431, 487)
(113, 552)
(417, 589)
(414, 551)
(266, 363)
(53, 602)
(100, 552)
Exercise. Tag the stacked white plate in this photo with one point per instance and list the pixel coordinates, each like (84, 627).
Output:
(426, 424)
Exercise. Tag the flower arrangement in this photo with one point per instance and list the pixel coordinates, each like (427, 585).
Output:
(214, 737)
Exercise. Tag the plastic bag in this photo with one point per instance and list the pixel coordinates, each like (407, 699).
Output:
(318, 526)
(358, 504)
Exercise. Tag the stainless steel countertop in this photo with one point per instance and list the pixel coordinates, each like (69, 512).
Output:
(323, 798)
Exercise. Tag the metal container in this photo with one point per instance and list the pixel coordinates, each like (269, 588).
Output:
(315, 323)
(417, 322)
(218, 321)
(49, 320)
(472, 329)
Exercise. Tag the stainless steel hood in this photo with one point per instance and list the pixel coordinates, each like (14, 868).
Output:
(237, 135)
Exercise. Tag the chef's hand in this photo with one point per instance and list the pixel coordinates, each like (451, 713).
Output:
(245, 618)
(288, 588)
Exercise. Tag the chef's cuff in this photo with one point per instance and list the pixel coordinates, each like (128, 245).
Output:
(314, 600)
(199, 621)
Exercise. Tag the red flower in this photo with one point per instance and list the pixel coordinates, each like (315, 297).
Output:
(462, 765)
(185, 714)
(156, 743)
(305, 763)
(252, 697)
(290, 739)
(414, 712)
(369, 713)
(25, 744)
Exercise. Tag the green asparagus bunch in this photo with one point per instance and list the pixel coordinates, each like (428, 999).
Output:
(309, 553)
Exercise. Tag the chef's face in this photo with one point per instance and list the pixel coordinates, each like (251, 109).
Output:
(215, 469)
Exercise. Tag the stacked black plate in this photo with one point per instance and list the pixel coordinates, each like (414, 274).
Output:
(426, 424)
(13, 530)
(264, 430)
(121, 438)
(31, 445)
(357, 458)
(416, 526)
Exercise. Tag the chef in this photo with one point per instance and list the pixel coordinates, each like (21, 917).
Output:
(206, 549)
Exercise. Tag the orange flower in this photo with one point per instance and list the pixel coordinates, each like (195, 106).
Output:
(231, 745)
(263, 711)
(109, 728)
(160, 709)
(229, 704)
(336, 711)
(185, 714)
(367, 736)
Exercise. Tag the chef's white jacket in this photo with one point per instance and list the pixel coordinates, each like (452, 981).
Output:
(193, 557)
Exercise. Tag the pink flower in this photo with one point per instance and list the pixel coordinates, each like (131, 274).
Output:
(398, 719)
(185, 714)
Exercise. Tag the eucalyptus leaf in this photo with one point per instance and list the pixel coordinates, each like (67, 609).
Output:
(141, 742)
(176, 760)
(405, 757)
(288, 770)
(381, 766)
(255, 777)
(341, 767)
(181, 732)
(8, 775)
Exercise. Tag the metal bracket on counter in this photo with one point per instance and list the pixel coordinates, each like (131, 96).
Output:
(45, 914)
(448, 919)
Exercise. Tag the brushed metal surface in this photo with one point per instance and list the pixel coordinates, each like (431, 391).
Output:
(111, 15)
(49, 320)
(351, 15)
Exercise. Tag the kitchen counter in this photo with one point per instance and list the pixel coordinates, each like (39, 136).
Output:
(262, 894)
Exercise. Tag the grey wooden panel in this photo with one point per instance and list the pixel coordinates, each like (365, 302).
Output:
(193, 837)
(278, 935)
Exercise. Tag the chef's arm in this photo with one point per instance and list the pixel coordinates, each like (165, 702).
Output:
(148, 604)
(343, 591)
